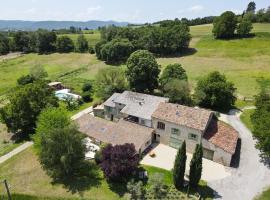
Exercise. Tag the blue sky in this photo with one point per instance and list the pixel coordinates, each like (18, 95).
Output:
(121, 10)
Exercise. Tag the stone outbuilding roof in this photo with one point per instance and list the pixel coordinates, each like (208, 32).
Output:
(136, 104)
(110, 102)
(114, 133)
(196, 118)
(222, 135)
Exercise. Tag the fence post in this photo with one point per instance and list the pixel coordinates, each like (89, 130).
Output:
(6, 186)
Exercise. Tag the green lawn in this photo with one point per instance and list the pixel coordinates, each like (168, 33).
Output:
(243, 61)
(245, 118)
(28, 180)
(72, 69)
(92, 38)
(264, 196)
(6, 144)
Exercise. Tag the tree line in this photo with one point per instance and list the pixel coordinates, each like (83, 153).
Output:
(143, 74)
(42, 42)
(190, 22)
(117, 43)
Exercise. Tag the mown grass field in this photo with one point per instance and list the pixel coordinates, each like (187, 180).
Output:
(26, 177)
(243, 61)
(64, 67)
(92, 38)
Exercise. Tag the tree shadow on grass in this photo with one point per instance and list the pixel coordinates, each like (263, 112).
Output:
(119, 187)
(89, 176)
(186, 52)
(207, 192)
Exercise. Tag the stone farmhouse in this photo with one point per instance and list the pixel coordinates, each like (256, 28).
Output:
(143, 119)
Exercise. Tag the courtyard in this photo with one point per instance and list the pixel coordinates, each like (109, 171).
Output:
(165, 156)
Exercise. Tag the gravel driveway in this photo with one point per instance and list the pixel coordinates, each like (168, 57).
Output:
(251, 177)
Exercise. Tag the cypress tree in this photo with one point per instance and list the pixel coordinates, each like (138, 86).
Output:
(195, 171)
(180, 166)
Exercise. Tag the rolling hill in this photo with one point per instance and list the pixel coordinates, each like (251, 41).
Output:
(34, 25)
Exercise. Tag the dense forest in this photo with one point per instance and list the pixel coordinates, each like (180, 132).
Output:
(117, 43)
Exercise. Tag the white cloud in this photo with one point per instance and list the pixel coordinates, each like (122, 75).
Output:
(30, 11)
(94, 9)
(196, 8)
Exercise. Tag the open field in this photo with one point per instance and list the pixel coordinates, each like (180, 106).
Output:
(26, 177)
(64, 67)
(92, 38)
(243, 61)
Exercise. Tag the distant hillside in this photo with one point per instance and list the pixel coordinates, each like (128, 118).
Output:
(34, 25)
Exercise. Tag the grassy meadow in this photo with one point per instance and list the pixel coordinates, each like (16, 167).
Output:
(243, 61)
(92, 38)
(26, 177)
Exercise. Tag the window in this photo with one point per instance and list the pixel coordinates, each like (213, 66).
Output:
(109, 109)
(161, 125)
(175, 133)
(192, 136)
(175, 143)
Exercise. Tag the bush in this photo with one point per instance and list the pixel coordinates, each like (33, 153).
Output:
(24, 80)
(87, 87)
(91, 50)
(64, 44)
(86, 96)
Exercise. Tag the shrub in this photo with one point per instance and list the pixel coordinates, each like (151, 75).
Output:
(91, 50)
(87, 87)
(86, 96)
(119, 161)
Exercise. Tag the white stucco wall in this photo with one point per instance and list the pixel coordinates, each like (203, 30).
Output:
(220, 156)
(184, 132)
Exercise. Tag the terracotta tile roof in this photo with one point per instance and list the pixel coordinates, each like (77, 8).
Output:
(114, 133)
(195, 118)
(222, 135)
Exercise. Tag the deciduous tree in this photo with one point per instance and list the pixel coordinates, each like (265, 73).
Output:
(178, 91)
(82, 44)
(25, 104)
(142, 71)
(261, 121)
(173, 71)
(225, 25)
(64, 44)
(109, 81)
(119, 161)
(215, 92)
